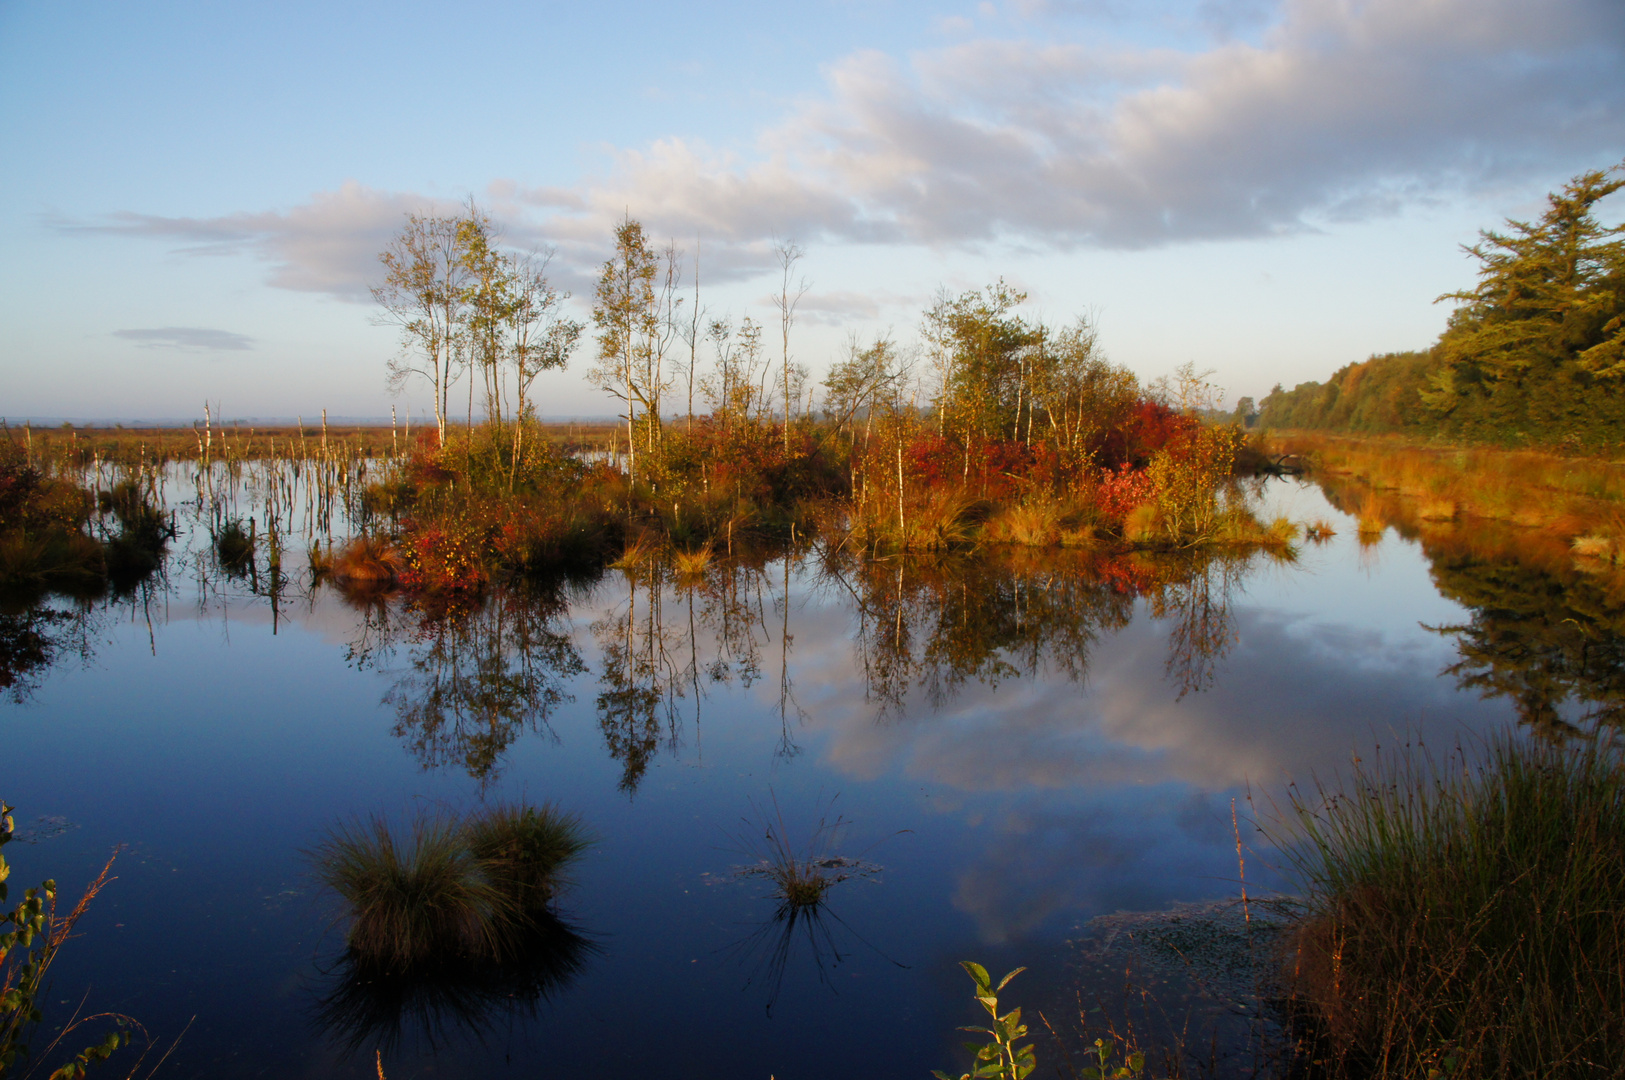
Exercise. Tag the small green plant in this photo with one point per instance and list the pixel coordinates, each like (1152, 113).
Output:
(1131, 1068)
(33, 934)
(999, 1058)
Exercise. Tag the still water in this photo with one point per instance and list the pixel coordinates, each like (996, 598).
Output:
(1018, 745)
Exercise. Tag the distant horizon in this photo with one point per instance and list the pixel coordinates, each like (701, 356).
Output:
(421, 420)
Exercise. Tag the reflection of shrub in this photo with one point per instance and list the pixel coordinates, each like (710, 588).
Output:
(1473, 912)
(45, 542)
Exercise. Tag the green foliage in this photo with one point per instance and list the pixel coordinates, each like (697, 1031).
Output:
(1534, 353)
(1469, 910)
(1537, 349)
(1132, 1067)
(1000, 1058)
(523, 849)
(33, 934)
(985, 352)
(1188, 475)
(1377, 396)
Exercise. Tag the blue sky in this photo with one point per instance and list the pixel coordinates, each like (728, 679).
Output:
(192, 195)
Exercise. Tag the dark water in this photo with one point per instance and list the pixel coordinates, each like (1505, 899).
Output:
(1020, 744)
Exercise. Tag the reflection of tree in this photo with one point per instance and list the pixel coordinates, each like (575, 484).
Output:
(1195, 599)
(641, 681)
(675, 636)
(1543, 634)
(939, 623)
(1540, 638)
(31, 641)
(479, 679)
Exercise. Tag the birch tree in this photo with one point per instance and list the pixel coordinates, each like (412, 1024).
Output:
(789, 296)
(627, 317)
(423, 295)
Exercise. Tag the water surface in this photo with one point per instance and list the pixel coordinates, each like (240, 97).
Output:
(1020, 743)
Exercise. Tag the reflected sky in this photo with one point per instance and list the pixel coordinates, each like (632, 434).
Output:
(1013, 775)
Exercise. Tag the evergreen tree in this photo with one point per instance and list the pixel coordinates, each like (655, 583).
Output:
(1537, 349)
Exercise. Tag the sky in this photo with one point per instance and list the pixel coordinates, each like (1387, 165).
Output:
(193, 195)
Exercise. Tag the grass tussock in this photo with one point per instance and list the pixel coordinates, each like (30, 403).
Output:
(691, 564)
(448, 890)
(414, 898)
(640, 551)
(1467, 917)
(234, 545)
(525, 850)
(1032, 524)
(366, 561)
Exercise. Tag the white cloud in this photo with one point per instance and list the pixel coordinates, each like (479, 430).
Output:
(1337, 109)
(187, 338)
(329, 244)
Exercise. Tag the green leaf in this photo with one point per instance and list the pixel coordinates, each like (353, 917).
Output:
(977, 972)
(1136, 1061)
(1006, 980)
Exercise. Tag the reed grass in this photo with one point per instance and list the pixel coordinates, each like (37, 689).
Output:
(1466, 917)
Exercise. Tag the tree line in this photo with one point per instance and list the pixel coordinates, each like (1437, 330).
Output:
(1534, 353)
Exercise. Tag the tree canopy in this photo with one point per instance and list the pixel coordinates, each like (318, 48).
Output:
(1534, 352)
